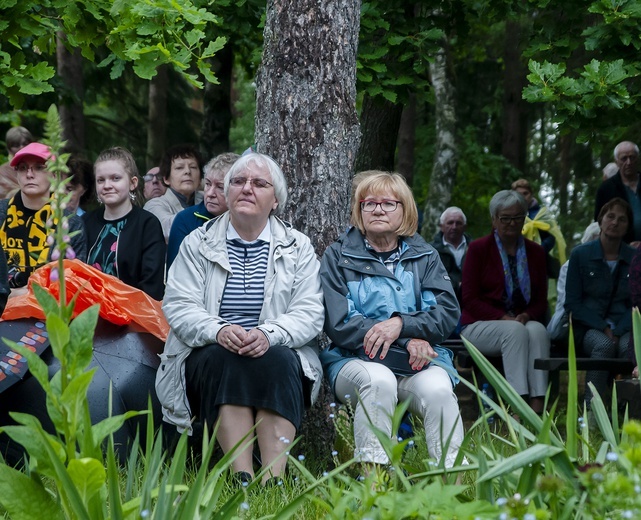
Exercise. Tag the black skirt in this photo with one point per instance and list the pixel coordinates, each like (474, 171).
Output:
(216, 376)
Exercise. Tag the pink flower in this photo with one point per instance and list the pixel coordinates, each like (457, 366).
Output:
(70, 254)
(56, 254)
(53, 276)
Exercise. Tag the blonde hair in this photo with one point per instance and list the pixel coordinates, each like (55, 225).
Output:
(389, 184)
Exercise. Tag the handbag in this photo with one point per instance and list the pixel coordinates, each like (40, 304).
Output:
(397, 360)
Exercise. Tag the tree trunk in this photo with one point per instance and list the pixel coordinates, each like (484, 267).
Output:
(72, 96)
(445, 150)
(214, 138)
(565, 143)
(306, 119)
(157, 131)
(305, 109)
(380, 121)
(407, 141)
(514, 140)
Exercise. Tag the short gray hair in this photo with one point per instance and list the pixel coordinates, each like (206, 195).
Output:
(506, 199)
(452, 209)
(263, 162)
(221, 163)
(616, 149)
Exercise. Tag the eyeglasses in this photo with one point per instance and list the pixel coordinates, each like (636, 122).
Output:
(151, 177)
(35, 168)
(239, 182)
(386, 205)
(519, 219)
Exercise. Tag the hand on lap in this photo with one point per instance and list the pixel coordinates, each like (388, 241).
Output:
(420, 350)
(232, 337)
(381, 336)
(255, 344)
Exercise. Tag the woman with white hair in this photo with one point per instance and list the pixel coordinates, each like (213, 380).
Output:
(245, 306)
(505, 297)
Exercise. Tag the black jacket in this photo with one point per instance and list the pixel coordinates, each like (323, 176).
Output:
(141, 249)
(456, 273)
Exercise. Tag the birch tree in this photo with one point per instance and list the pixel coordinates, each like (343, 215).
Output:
(445, 149)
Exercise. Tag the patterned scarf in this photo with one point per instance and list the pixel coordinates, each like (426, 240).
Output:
(522, 271)
(24, 235)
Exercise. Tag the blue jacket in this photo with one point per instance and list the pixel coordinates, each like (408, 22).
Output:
(360, 291)
(593, 293)
(184, 223)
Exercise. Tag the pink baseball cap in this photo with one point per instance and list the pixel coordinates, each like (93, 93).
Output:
(37, 150)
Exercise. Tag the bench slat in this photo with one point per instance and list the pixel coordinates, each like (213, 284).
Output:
(610, 364)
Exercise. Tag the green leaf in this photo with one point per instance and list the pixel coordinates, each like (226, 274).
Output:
(35, 441)
(531, 455)
(59, 335)
(81, 334)
(74, 398)
(112, 424)
(26, 498)
(88, 475)
(46, 300)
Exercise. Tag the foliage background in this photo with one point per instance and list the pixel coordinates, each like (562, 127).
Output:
(576, 64)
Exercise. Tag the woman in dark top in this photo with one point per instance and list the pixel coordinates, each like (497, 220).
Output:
(597, 292)
(124, 240)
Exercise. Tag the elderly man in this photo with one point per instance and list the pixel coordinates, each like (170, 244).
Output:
(451, 243)
(624, 184)
(154, 186)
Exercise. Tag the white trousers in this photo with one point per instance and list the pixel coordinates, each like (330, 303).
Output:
(519, 345)
(430, 396)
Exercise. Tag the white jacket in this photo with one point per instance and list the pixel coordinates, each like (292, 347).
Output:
(292, 313)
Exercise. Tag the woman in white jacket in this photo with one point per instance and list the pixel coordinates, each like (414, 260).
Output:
(245, 306)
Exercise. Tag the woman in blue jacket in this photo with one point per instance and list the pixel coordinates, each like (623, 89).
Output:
(597, 291)
(388, 303)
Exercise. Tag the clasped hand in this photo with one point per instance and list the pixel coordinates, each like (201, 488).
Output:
(251, 343)
(380, 337)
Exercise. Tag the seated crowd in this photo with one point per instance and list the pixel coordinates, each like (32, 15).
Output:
(246, 297)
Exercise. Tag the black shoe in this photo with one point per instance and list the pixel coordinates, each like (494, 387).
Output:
(273, 482)
(242, 478)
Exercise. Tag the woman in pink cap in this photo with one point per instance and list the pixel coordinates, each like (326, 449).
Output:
(23, 217)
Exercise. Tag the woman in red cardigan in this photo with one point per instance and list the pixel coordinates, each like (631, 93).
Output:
(505, 297)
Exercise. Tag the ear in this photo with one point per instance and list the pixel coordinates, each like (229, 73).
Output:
(134, 183)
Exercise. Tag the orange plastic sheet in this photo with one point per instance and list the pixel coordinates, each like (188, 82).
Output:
(119, 303)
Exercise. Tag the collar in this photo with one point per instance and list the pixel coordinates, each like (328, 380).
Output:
(448, 244)
(265, 234)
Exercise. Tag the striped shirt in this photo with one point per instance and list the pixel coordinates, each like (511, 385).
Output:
(244, 292)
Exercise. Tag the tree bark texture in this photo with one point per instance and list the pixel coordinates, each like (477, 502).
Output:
(157, 130)
(305, 109)
(380, 121)
(445, 151)
(214, 136)
(514, 142)
(72, 95)
(306, 120)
